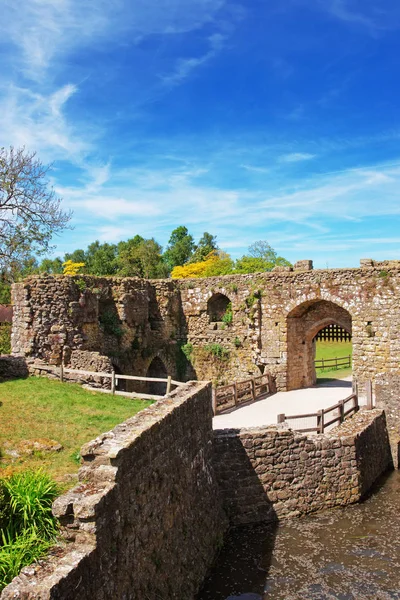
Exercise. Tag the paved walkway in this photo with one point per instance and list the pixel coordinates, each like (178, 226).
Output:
(265, 412)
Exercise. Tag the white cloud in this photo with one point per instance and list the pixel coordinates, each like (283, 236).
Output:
(186, 65)
(296, 157)
(45, 30)
(37, 121)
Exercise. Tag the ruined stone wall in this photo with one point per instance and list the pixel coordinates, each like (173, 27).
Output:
(387, 397)
(266, 306)
(274, 317)
(273, 473)
(146, 520)
(82, 319)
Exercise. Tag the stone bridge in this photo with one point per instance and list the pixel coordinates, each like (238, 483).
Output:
(220, 328)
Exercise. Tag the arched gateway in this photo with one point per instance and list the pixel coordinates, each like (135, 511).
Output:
(303, 324)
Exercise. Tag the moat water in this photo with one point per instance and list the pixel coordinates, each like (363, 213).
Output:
(342, 554)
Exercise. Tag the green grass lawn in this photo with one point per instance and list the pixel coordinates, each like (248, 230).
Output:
(333, 350)
(37, 408)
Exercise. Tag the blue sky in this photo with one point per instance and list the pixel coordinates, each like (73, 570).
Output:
(253, 120)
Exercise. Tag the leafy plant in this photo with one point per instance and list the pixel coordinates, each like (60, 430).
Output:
(110, 323)
(237, 342)
(5, 338)
(227, 318)
(187, 350)
(81, 284)
(218, 351)
(28, 526)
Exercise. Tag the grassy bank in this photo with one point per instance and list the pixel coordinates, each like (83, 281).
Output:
(40, 409)
(332, 350)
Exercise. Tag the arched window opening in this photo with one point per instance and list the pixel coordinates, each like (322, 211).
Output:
(219, 309)
(158, 370)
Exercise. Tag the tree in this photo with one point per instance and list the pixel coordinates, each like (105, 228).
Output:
(30, 212)
(51, 265)
(262, 257)
(180, 247)
(139, 257)
(207, 243)
(100, 259)
(216, 263)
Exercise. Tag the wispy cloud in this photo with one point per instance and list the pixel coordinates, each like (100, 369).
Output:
(185, 66)
(294, 157)
(371, 16)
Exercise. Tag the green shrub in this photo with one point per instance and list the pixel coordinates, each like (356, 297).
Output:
(218, 351)
(110, 323)
(28, 527)
(237, 342)
(5, 338)
(187, 350)
(228, 316)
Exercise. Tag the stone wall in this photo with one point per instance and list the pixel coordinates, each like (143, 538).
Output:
(387, 397)
(146, 520)
(273, 473)
(275, 317)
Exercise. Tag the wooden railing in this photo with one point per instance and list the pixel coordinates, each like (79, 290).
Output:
(343, 362)
(241, 392)
(321, 422)
(115, 377)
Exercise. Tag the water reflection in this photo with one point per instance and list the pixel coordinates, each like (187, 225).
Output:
(344, 554)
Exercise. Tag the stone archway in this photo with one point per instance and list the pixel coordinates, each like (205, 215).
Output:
(157, 369)
(303, 324)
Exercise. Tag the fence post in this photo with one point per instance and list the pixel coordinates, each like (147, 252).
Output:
(341, 410)
(113, 382)
(281, 418)
(214, 400)
(253, 389)
(336, 367)
(322, 366)
(320, 421)
(62, 371)
(235, 393)
(168, 384)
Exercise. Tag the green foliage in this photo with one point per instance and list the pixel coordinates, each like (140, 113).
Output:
(252, 298)
(138, 257)
(5, 292)
(28, 525)
(110, 323)
(187, 350)
(207, 244)
(237, 342)
(135, 344)
(228, 316)
(223, 266)
(81, 284)
(384, 274)
(218, 351)
(53, 266)
(180, 247)
(5, 338)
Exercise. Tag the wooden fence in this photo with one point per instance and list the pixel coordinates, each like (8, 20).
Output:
(343, 362)
(241, 392)
(340, 410)
(115, 377)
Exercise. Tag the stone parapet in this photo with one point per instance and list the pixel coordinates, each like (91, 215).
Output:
(146, 519)
(275, 473)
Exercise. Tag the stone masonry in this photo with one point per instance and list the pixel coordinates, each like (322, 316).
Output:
(146, 520)
(273, 473)
(274, 318)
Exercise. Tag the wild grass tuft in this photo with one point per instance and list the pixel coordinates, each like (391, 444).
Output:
(28, 527)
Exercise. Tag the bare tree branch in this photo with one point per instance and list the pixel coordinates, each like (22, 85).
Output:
(30, 212)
